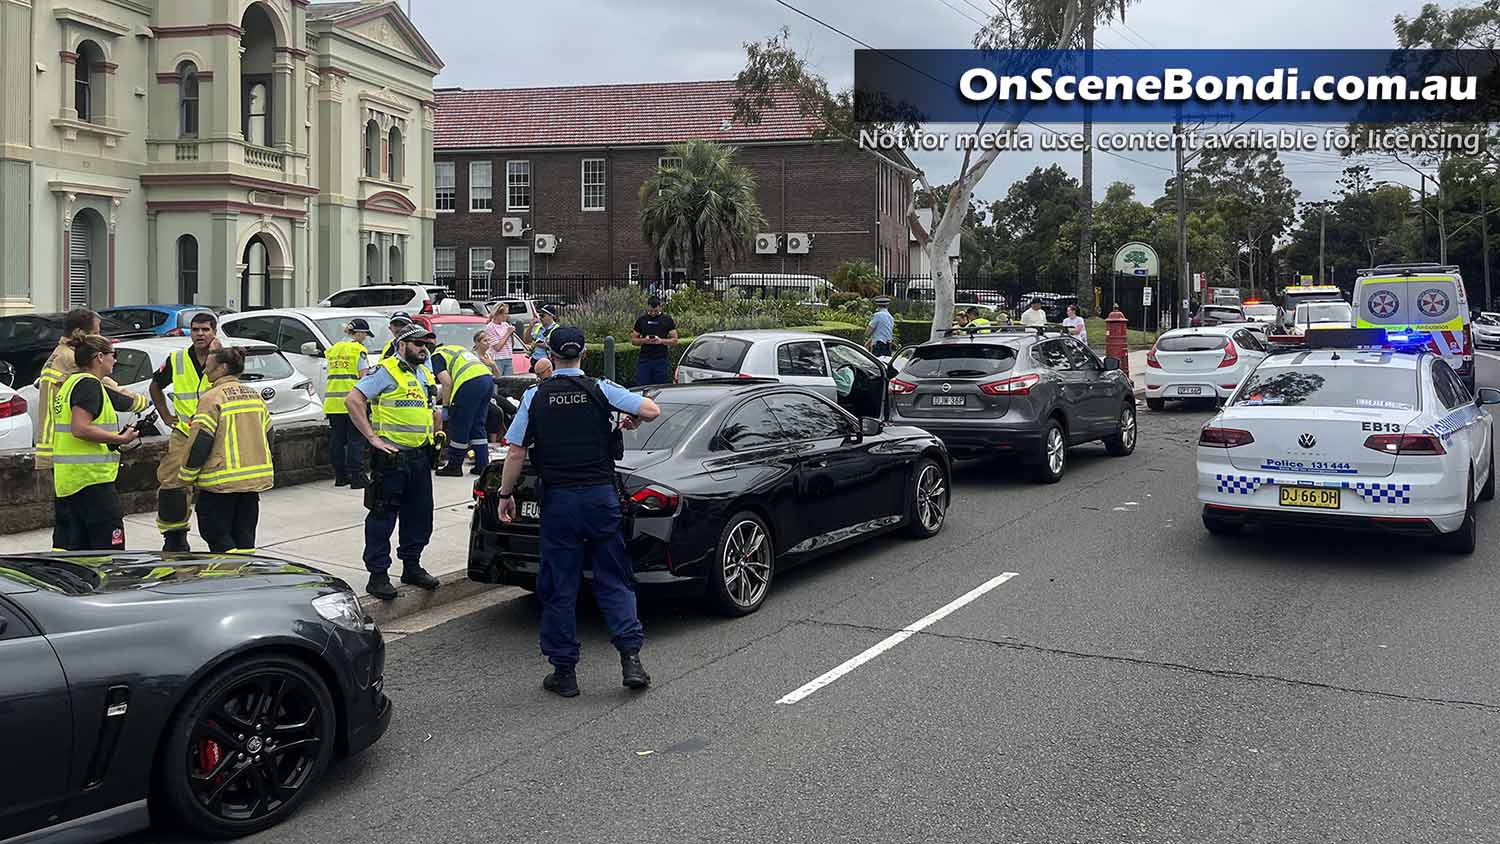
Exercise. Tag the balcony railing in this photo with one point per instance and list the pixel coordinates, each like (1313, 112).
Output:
(187, 152)
(262, 157)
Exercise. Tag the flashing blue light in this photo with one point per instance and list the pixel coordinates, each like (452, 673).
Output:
(1411, 339)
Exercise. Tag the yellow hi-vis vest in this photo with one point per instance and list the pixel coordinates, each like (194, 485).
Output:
(237, 419)
(343, 372)
(402, 416)
(78, 463)
(187, 386)
(463, 366)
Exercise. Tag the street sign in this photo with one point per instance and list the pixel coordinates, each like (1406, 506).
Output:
(1197, 282)
(1146, 296)
(1136, 258)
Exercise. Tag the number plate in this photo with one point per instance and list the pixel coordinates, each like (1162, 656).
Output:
(1189, 391)
(530, 510)
(1318, 498)
(948, 401)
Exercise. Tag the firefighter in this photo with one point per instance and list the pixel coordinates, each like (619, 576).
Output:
(183, 371)
(466, 386)
(87, 433)
(229, 456)
(348, 362)
(393, 409)
(77, 324)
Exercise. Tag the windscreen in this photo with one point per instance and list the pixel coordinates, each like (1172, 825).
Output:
(1331, 386)
(1316, 312)
(1191, 343)
(721, 354)
(667, 430)
(968, 360)
(265, 365)
(459, 334)
(1260, 311)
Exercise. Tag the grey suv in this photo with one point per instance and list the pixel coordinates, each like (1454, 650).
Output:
(1015, 391)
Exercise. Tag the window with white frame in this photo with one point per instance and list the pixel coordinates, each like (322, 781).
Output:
(668, 162)
(518, 186)
(444, 191)
(481, 186)
(477, 256)
(444, 264)
(633, 273)
(517, 263)
(593, 184)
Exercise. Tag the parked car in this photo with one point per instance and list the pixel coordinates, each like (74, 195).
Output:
(162, 320)
(1016, 391)
(791, 357)
(27, 340)
(459, 330)
(737, 481)
(1200, 363)
(213, 692)
(288, 393)
(16, 429)
(1295, 295)
(1218, 315)
(1487, 329)
(305, 334)
(1266, 313)
(390, 298)
(1311, 316)
(523, 312)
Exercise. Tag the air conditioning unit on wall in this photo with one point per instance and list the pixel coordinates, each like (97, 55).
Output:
(798, 243)
(512, 227)
(546, 244)
(766, 243)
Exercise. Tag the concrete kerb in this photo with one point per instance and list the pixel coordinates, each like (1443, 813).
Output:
(454, 586)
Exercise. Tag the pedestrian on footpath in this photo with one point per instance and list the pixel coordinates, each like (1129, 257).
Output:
(565, 421)
(498, 335)
(348, 361)
(1034, 316)
(1077, 328)
(465, 389)
(87, 513)
(882, 328)
(393, 409)
(184, 373)
(229, 459)
(654, 332)
(77, 324)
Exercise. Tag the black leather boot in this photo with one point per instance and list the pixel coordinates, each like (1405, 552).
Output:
(380, 586)
(415, 575)
(561, 682)
(632, 674)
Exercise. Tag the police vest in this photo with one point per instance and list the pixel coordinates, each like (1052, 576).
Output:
(463, 366)
(570, 429)
(540, 333)
(402, 416)
(343, 371)
(78, 463)
(188, 384)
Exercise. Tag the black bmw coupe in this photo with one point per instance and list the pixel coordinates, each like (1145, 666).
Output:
(737, 481)
(205, 689)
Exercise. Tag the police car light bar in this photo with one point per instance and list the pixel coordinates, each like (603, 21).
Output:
(1366, 338)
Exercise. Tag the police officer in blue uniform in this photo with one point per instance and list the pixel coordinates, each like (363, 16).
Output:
(566, 422)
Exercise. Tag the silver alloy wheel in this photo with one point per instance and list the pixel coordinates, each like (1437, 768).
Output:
(932, 497)
(1055, 449)
(1127, 427)
(747, 564)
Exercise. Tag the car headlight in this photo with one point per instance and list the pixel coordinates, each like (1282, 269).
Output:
(341, 608)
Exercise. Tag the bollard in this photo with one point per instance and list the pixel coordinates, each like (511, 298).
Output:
(609, 358)
(1114, 339)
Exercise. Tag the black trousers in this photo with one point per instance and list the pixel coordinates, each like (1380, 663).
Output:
(91, 519)
(227, 520)
(346, 448)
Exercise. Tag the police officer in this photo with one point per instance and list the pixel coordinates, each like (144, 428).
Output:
(539, 333)
(401, 322)
(183, 371)
(229, 459)
(88, 512)
(393, 409)
(77, 324)
(348, 362)
(566, 421)
(466, 388)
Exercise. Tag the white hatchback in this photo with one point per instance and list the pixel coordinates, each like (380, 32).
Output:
(15, 419)
(1366, 439)
(1200, 363)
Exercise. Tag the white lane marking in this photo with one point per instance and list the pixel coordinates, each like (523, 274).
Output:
(1487, 355)
(897, 638)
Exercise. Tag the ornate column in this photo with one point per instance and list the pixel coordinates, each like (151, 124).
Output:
(68, 199)
(114, 216)
(68, 63)
(166, 287)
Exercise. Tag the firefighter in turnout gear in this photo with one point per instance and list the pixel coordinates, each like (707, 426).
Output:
(229, 456)
(566, 422)
(87, 433)
(393, 409)
(77, 324)
(466, 388)
(348, 361)
(184, 373)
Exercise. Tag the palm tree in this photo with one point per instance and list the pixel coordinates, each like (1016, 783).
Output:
(703, 206)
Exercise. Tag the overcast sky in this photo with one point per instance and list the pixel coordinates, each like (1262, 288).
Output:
(489, 44)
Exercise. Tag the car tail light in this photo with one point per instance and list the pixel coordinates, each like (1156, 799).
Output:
(655, 501)
(307, 386)
(1018, 386)
(1224, 437)
(902, 388)
(15, 407)
(1413, 444)
(426, 306)
(1231, 355)
(176, 332)
(1151, 360)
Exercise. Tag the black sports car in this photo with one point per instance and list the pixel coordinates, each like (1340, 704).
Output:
(211, 689)
(736, 481)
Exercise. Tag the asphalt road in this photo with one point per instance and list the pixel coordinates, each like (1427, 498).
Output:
(1137, 680)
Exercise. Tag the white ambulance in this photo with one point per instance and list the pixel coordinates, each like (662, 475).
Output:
(1420, 298)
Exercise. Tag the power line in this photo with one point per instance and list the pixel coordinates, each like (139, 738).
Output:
(978, 8)
(961, 13)
(1137, 34)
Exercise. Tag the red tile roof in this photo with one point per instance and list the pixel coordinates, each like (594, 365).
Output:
(596, 115)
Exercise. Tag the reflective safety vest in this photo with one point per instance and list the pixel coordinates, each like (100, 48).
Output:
(402, 416)
(463, 366)
(541, 333)
(78, 463)
(343, 372)
(237, 419)
(188, 385)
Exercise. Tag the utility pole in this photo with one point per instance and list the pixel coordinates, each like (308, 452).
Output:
(1322, 231)
(1425, 212)
(1184, 285)
(1085, 284)
(1484, 236)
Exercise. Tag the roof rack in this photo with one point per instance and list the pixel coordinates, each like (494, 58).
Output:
(1407, 269)
(971, 331)
(748, 381)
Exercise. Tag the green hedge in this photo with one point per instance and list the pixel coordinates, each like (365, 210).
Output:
(910, 332)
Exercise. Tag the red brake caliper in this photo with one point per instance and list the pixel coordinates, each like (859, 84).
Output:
(209, 756)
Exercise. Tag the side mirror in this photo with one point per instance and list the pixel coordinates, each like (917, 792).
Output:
(1487, 396)
(1111, 364)
(311, 349)
(869, 427)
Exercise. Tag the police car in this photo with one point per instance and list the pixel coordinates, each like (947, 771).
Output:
(1359, 430)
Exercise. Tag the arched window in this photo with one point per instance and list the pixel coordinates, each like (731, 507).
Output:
(187, 269)
(255, 285)
(394, 270)
(84, 72)
(256, 116)
(372, 150)
(187, 98)
(393, 156)
(372, 263)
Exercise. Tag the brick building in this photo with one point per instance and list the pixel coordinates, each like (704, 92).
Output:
(515, 166)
